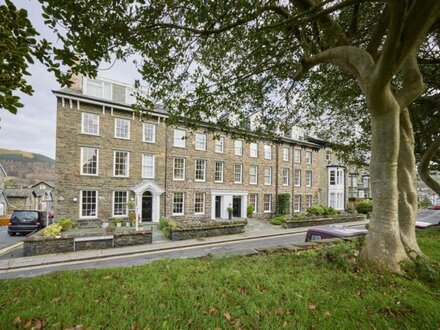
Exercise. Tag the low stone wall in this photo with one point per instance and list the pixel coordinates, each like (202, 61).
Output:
(37, 244)
(207, 229)
(321, 221)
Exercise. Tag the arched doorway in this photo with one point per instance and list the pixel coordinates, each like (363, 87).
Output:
(147, 207)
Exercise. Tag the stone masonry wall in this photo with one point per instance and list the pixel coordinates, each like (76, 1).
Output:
(69, 181)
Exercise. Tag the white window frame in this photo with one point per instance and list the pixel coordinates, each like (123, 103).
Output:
(297, 155)
(252, 175)
(174, 169)
(255, 204)
(183, 203)
(309, 157)
(240, 173)
(182, 143)
(204, 170)
(130, 99)
(309, 200)
(222, 171)
(82, 161)
(128, 128)
(267, 151)
(268, 182)
(113, 203)
(203, 203)
(154, 132)
(270, 203)
(128, 164)
(81, 205)
(101, 84)
(253, 150)
(200, 145)
(220, 145)
(286, 154)
(297, 183)
(83, 131)
(154, 166)
(286, 177)
(309, 178)
(297, 209)
(238, 148)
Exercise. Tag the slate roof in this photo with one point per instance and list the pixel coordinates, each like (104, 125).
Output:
(3, 170)
(20, 193)
(47, 183)
(2, 192)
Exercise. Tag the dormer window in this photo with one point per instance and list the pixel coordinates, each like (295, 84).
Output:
(98, 89)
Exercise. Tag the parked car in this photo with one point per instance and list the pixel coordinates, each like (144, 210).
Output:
(434, 207)
(323, 232)
(26, 221)
(423, 224)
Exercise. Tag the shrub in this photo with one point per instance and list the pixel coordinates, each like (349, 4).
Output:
(278, 220)
(299, 216)
(52, 230)
(283, 203)
(116, 221)
(364, 207)
(425, 202)
(250, 211)
(316, 210)
(329, 210)
(165, 225)
(66, 224)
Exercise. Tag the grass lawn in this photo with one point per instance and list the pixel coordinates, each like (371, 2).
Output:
(315, 289)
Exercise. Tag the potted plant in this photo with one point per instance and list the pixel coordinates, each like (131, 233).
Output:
(117, 222)
(230, 211)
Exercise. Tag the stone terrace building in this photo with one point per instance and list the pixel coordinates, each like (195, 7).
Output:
(106, 156)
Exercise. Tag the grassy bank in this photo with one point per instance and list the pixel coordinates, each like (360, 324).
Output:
(310, 290)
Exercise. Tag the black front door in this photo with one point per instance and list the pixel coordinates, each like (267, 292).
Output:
(236, 205)
(218, 206)
(147, 207)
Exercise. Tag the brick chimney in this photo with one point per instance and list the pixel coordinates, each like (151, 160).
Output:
(77, 81)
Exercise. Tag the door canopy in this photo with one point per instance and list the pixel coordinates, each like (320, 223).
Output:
(148, 186)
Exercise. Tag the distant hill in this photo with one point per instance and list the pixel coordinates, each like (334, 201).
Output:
(26, 168)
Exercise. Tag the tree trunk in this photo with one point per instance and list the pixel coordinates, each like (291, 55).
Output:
(406, 176)
(383, 244)
(424, 166)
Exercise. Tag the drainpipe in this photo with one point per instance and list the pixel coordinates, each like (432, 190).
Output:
(292, 180)
(276, 178)
(166, 170)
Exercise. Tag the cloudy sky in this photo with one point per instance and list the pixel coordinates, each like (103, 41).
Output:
(33, 128)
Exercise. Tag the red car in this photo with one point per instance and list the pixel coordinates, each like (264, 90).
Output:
(435, 207)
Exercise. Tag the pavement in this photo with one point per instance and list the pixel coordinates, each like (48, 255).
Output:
(258, 233)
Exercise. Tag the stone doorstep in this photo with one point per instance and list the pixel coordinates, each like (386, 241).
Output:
(166, 245)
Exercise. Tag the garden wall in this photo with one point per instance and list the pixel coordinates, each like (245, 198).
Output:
(321, 221)
(207, 229)
(37, 244)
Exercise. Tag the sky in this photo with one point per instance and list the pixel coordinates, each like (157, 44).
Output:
(33, 128)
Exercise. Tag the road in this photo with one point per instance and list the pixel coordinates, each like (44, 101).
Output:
(243, 247)
(6, 240)
(219, 249)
